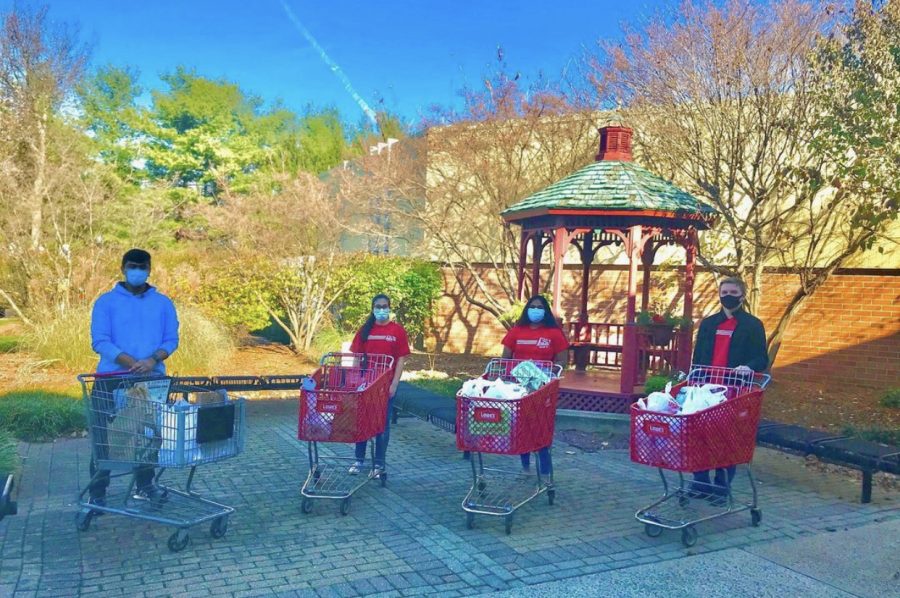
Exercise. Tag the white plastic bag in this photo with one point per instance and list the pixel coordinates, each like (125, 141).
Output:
(170, 425)
(703, 397)
(660, 402)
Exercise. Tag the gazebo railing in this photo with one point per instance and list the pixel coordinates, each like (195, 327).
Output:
(596, 343)
(653, 358)
(600, 344)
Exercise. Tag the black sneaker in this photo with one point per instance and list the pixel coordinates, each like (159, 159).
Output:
(151, 493)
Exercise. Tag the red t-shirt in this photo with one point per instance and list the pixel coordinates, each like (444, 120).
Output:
(389, 339)
(541, 344)
(724, 332)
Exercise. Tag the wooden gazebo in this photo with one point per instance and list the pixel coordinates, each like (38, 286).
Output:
(612, 201)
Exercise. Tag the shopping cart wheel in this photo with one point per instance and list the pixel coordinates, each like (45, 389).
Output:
(470, 520)
(508, 523)
(383, 477)
(218, 527)
(683, 500)
(551, 495)
(755, 517)
(482, 485)
(83, 520)
(689, 536)
(179, 540)
(345, 506)
(306, 505)
(651, 530)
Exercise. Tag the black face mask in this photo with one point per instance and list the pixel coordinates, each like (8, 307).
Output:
(730, 301)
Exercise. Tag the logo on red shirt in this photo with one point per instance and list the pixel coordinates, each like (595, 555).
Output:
(543, 343)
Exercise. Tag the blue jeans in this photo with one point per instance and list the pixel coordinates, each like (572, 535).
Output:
(381, 440)
(721, 486)
(544, 461)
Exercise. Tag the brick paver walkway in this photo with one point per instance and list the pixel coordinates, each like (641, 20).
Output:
(406, 539)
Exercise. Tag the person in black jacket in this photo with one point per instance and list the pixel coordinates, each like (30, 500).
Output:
(730, 338)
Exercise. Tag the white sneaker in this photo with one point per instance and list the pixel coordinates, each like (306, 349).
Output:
(356, 468)
(379, 469)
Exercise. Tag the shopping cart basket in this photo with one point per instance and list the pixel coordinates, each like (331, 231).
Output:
(347, 403)
(506, 427)
(159, 422)
(718, 437)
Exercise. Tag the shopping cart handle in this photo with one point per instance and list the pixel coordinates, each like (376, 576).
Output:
(113, 374)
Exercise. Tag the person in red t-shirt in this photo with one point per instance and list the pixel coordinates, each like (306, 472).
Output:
(380, 336)
(731, 338)
(537, 336)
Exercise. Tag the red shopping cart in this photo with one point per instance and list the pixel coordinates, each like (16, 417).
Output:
(715, 438)
(506, 427)
(346, 403)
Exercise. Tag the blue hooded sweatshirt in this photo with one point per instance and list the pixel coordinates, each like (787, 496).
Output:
(138, 325)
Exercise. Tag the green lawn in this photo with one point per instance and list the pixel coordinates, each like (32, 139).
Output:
(9, 460)
(40, 416)
(875, 434)
(8, 344)
(447, 387)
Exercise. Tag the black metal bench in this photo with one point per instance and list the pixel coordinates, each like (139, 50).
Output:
(863, 455)
(426, 405)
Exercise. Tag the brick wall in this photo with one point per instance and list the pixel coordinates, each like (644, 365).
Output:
(849, 330)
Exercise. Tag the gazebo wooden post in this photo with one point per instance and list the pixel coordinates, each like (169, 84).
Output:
(560, 243)
(647, 257)
(685, 343)
(537, 246)
(629, 340)
(520, 269)
(587, 256)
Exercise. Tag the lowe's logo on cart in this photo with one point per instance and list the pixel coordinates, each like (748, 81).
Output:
(656, 428)
(328, 407)
(486, 415)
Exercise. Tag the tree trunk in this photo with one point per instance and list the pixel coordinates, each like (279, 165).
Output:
(775, 338)
(37, 187)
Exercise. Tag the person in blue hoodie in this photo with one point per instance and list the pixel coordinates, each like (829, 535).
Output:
(134, 329)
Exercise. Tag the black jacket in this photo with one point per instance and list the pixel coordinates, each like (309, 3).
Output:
(748, 344)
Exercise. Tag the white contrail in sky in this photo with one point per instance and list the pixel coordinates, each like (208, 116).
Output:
(331, 64)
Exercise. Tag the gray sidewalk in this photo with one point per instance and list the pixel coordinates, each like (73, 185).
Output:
(410, 538)
(857, 562)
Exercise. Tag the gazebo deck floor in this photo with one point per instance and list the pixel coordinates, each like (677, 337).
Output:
(593, 390)
(595, 379)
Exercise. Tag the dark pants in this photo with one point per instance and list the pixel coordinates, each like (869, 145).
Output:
(545, 462)
(103, 411)
(381, 440)
(721, 485)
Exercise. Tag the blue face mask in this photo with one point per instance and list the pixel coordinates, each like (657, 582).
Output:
(136, 277)
(382, 314)
(535, 314)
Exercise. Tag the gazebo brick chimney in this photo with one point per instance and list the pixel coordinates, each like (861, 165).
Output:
(615, 144)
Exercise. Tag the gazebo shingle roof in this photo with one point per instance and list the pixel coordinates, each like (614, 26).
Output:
(610, 185)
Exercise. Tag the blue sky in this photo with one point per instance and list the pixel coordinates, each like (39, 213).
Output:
(408, 54)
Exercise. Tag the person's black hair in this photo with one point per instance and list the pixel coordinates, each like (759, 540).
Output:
(136, 256)
(548, 320)
(370, 321)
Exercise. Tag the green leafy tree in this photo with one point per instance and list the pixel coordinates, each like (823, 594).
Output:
(413, 286)
(110, 114)
(210, 132)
